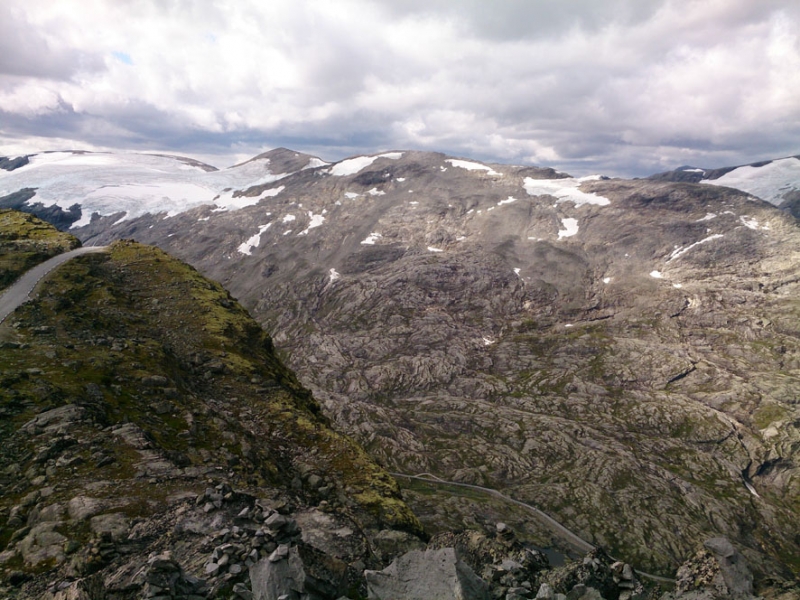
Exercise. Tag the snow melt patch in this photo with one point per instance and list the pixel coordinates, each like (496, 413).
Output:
(752, 223)
(372, 238)
(606, 280)
(656, 275)
(227, 201)
(350, 195)
(565, 190)
(376, 192)
(770, 182)
(678, 252)
(570, 228)
(472, 166)
(708, 217)
(253, 242)
(516, 272)
(508, 200)
(333, 274)
(432, 249)
(488, 341)
(351, 166)
(272, 192)
(288, 218)
(315, 221)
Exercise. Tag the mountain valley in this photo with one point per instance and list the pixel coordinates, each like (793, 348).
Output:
(622, 354)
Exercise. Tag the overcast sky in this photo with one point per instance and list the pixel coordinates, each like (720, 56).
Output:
(622, 87)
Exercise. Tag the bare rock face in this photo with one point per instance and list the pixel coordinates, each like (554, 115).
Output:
(622, 354)
(423, 575)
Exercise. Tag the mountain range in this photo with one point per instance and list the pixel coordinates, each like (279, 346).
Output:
(622, 354)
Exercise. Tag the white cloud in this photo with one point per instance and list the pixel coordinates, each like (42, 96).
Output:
(626, 87)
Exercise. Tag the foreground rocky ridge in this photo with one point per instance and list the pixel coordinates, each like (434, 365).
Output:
(144, 414)
(26, 241)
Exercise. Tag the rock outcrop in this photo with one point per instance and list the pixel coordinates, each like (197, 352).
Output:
(424, 575)
(717, 571)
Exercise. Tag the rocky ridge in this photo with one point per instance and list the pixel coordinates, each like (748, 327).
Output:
(146, 420)
(619, 353)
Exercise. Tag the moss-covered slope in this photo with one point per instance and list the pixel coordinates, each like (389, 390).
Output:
(25, 241)
(132, 378)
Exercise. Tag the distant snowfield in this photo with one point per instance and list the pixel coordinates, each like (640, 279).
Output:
(133, 184)
(770, 182)
(565, 190)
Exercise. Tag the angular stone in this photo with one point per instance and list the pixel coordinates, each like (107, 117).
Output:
(115, 524)
(582, 592)
(545, 592)
(81, 508)
(280, 553)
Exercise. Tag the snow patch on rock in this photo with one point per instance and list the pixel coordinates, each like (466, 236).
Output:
(315, 221)
(570, 228)
(351, 166)
(372, 238)
(472, 166)
(253, 241)
(678, 252)
(565, 190)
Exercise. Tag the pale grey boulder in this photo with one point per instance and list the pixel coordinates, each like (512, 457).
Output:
(426, 575)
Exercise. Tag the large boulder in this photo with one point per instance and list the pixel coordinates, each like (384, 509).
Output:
(422, 575)
(292, 573)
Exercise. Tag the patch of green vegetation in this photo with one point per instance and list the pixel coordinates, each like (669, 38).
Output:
(768, 414)
(26, 241)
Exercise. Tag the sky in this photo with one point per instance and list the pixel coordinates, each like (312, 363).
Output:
(619, 87)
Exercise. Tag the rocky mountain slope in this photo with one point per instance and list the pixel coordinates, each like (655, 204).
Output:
(622, 354)
(155, 447)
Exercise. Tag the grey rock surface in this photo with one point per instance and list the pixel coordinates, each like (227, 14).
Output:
(622, 354)
(633, 375)
(426, 575)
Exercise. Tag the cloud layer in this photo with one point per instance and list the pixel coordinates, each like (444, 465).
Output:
(626, 87)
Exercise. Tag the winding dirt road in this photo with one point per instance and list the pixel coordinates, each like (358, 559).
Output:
(573, 539)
